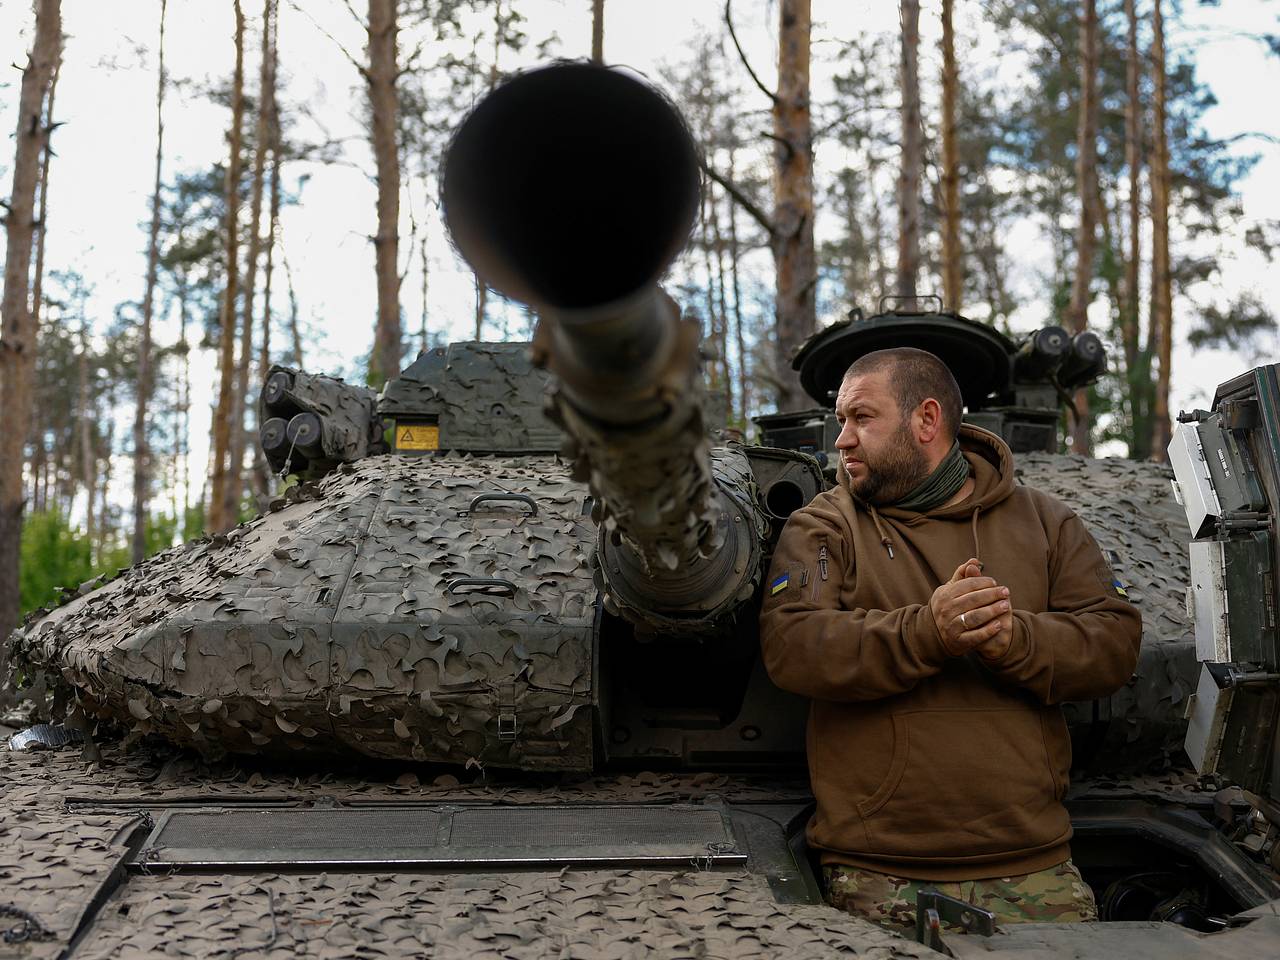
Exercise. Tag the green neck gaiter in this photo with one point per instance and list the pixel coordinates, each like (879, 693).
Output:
(940, 486)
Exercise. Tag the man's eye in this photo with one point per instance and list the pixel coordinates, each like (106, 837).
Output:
(862, 417)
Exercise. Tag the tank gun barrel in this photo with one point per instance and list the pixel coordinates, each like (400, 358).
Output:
(571, 188)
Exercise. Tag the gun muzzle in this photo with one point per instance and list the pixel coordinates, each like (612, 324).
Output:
(274, 438)
(305, 435)
(1085, 362)
(1041, 354)
(571, 188)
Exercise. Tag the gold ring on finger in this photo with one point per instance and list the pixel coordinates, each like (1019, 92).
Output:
(964, 622)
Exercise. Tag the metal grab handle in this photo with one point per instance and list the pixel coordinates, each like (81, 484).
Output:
(510, 497)
(900, 297)
(481, 582)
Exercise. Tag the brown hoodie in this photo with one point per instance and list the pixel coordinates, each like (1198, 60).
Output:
(924, 765)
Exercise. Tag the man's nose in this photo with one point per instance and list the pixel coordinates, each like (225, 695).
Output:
(848, 438)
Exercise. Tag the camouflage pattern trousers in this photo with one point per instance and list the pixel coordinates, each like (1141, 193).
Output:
(1056, 895)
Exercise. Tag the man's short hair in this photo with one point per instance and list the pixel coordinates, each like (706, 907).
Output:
(915, 376)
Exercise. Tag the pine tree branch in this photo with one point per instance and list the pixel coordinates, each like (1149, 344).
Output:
(791, 151)
(733, 34)
(742, 200)
(351, 10)
(411, 61)
(360, 67)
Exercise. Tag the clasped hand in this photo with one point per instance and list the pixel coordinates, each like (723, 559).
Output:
(973, 612)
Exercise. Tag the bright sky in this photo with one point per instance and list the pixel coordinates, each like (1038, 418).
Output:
(101, 174)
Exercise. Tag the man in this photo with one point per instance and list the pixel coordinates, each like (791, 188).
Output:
(937, 613)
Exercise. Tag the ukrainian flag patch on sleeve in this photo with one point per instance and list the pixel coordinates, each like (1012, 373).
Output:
(780, 584)
(1115, 582)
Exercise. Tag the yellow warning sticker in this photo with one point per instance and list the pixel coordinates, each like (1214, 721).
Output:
(417, 436)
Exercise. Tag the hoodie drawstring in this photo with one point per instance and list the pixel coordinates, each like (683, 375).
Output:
(884, 535)
(887, 542)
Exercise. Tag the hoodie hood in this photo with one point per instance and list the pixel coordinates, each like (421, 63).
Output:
(990, 465)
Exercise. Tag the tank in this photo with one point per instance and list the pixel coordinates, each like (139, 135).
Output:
(485, 679)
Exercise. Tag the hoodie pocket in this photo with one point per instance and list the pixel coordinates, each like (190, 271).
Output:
(965, 783)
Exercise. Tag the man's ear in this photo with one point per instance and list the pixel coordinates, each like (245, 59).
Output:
(928, 417)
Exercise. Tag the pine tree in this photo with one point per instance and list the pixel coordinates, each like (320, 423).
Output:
(911, 160)
(380, 76)
(220, 517)
(141, 452)
(17, 329)
(261, 146)
(1161, 330)
(952, 256)
(597, 31)
(1087, 185)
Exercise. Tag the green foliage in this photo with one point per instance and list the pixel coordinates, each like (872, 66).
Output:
(193, 523)
(1239, 326)
(57, 556)
(53, 555)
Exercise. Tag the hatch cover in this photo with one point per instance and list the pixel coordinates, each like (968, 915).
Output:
(427, 837)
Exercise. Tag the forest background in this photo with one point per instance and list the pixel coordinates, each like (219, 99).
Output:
(279, 163)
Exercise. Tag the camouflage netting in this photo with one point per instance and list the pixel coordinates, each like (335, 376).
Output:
(642, 445)
(602, 915)
(343, 619)
(349, 427)
(376, 611)
(63, 826)
(702, 594)
(1129, 508)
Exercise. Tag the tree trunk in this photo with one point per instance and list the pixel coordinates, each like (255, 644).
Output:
(912, 157)
(104, 488)
(18, 339)
(426, 279)
(952, 264)
(88, 467)
(261, 470)
(184, 403)
(219, 518)
(264, 357)
(878, 242)
(42, 217)
(141, 449)
(383, 107)
(261, 131)
(1136, 366)
(793, 192)
(597, 31)
(717, 240)
(295, 332)
(40, 229)
(744, 373)
(1133, 160)
(273, 138)
(1161, 282)
(1087, 186)
(482, 289)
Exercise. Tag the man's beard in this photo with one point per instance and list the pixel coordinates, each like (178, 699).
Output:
(894, 474)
